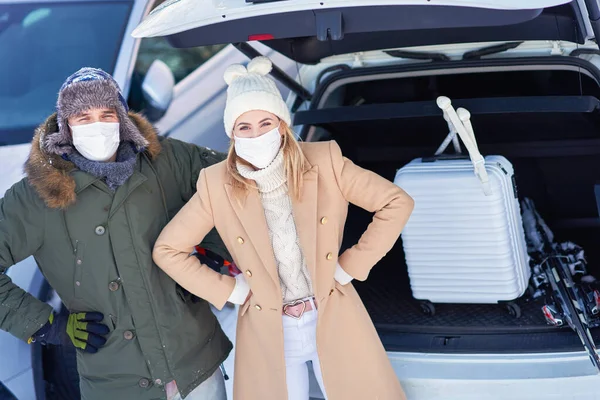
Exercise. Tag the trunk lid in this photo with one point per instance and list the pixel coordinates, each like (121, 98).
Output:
(308, 30)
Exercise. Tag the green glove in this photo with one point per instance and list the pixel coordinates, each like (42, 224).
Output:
(83, 330)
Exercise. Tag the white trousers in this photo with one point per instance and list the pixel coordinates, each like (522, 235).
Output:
(300, 346)
(211, 389)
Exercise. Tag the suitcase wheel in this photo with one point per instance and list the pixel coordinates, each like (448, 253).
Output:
(427, 307)
(513, 309)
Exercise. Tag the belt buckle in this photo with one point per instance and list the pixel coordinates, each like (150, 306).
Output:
(295, 303)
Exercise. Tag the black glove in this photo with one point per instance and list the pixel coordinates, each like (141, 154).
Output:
(209, 258)
(83, 330)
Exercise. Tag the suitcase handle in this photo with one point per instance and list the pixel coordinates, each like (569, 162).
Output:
(451, 137)
(445, 157)
(462, 125)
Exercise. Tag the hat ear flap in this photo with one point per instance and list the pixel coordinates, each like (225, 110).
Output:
(260, 65)
(233, 72)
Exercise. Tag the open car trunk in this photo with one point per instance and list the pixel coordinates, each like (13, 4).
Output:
(542, 116)
(543, 119)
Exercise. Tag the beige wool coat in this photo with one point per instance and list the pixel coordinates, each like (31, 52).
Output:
(353, 361)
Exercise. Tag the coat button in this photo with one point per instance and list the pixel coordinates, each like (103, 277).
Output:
(78, 283)
(100, 230)
(240, 240)
(128, 335)
(144, 383)
(113, 286)
(248, 272)
(329, 256)
(258, 307)
(158, 382)
(323, 220)
(79, 262)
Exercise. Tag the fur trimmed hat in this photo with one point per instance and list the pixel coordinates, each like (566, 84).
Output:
(250, 88)
(86, 89)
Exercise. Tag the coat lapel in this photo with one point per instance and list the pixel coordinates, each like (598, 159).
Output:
(125, 190)
(252, 216)
(305, 217)
(83, 180)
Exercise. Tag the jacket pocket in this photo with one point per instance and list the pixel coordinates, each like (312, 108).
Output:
(244, 307)
(113, 321)
(79, 266)
(340, 288)
(180, 293)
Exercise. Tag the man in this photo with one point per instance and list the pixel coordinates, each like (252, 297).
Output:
(100, 186)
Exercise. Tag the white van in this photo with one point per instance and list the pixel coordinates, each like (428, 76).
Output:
(369, 74)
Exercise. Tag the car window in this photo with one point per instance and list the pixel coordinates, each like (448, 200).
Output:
(182, 62)
(40, 46)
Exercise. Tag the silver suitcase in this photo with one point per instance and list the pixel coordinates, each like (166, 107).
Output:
(464, 242)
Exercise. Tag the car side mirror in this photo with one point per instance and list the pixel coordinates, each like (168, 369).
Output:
(157, 88)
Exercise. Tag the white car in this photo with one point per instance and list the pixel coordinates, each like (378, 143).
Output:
(369, 74)
(41, 43)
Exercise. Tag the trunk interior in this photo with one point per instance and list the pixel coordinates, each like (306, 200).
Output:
(556, 157)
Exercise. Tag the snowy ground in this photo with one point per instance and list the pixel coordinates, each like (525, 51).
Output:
(11, 170)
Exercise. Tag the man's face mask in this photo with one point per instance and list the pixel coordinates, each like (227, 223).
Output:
(98, 141)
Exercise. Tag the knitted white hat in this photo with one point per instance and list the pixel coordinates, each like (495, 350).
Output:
(250, 88)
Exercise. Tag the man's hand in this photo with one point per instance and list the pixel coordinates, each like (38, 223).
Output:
(208, 258)
(83, 330)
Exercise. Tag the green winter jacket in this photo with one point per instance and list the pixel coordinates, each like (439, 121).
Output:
(95, 249)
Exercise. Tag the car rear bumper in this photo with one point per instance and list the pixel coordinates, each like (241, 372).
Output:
(497, 376)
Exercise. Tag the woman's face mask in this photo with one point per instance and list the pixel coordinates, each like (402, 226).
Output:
(259, 151)
(98, 141)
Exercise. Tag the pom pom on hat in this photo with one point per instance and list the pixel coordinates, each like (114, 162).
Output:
(233, 72)
(250, 88)
(260, 65)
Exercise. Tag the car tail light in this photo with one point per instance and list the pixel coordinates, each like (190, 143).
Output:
(260, 36)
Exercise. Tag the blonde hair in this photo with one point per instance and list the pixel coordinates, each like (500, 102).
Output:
(293, 163)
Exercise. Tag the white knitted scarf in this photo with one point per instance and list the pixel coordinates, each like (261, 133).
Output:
(291, 265)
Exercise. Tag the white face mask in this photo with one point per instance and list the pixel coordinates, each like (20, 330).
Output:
(259, 151)
(98, 141)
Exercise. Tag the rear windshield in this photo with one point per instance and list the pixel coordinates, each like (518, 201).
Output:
(42, 44)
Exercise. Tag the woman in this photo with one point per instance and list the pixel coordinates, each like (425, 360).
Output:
(280, 208)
